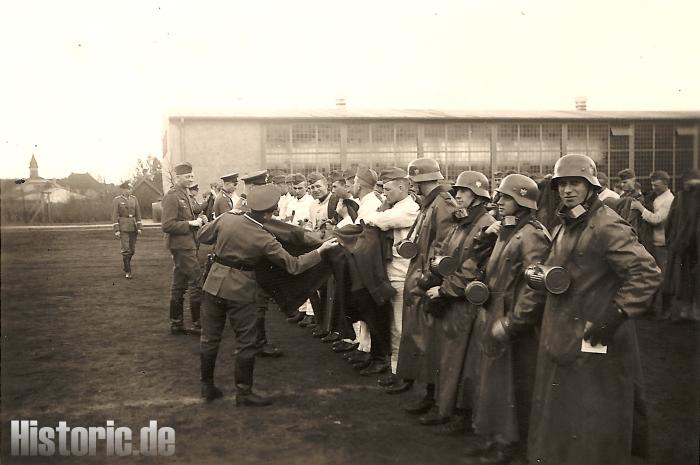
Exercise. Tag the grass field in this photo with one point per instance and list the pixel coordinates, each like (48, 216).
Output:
(83, 345)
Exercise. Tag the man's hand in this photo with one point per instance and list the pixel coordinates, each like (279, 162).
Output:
(331, 244)
(433, 292)
(495, 228)
(118, 234)
(498, 331)
(637, 205)
(195, 223)
(603, 328)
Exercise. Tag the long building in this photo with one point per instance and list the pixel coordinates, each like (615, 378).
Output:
(491, 141)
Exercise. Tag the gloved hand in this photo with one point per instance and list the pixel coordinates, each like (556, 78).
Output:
(603, 328)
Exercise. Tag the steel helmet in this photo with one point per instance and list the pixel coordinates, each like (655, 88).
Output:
(424, 169)
(476, 182)
(576, 165)
(523, 190)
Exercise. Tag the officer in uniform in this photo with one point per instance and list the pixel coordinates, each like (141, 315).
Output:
(230, 290)
(227, 198)
(180, 224)
(126, 219)
(433, 224)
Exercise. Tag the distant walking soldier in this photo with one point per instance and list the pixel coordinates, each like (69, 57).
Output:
(126, 219)
(180, 224)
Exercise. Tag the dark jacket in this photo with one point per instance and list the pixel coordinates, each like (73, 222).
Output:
(177, 212)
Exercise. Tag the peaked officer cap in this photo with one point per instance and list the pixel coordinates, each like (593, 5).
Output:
(264, 198)
(256, 178)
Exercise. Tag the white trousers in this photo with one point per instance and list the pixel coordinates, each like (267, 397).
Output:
(396, 321)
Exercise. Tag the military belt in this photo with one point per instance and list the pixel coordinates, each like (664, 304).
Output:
(234, 265)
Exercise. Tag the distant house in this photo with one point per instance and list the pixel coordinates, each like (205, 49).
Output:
(36, 188)
(148, 192)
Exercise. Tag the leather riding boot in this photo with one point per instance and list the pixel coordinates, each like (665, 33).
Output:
(195, 306)
(261, 337)
(127, 263)
(244, 385)
(209, 390)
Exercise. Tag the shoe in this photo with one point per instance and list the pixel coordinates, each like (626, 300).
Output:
(251, 400)
(319, 332)
(420, 407)
(457, 426)
(296, 318)
(362, 364)
(433, 418)
(128, 275)
(347, 356)
(306, 321)
(332, 337)
(359, 356)
(211, 392)
(270, 350)
(387, 380)
(481, 446)
(343, 346)
(194, 330)
(500, 454)
(376, 367)
(178, 330)
(398, 387)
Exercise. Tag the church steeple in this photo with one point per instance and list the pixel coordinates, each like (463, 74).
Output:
(33, 168)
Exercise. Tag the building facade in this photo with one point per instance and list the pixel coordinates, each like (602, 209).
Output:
(323, 140)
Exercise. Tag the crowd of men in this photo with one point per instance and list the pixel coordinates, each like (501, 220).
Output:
(510, 309)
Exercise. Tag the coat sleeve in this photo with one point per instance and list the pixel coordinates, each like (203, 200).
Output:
(207, 233)
(393, 218)
(631, 262)
(115, 215)
(529, 304)
(274, 252)
(169, 222)
(443, 220)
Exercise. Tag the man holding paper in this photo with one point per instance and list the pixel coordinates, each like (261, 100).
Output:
(588, 398)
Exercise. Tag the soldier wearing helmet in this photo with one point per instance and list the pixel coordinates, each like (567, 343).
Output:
(612, 279)
(452, 336)
(429, 233)
(507, 325)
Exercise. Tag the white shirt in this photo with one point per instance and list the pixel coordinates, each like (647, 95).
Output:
(299, 209)
(608, 194)
(368, 204)
(662, 205)
(318, 212)
(399, 218)
(282, 206)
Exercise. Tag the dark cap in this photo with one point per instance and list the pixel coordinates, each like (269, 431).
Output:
(279, 179)
(298, 178)
(183, 168)
(315, 177)
(256, 178)
(367, 175)
(264, 198)
(289, 178)
(660, 175)
(626, 174)
(125, 185)
(389, 174)
(335, 175)
(231, 177)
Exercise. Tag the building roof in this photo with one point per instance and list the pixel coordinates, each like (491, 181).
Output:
(81, 182)
(427, 114)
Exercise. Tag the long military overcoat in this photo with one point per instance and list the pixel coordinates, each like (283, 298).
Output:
(583, 405)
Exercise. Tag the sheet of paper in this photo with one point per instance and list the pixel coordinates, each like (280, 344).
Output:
(587, 347)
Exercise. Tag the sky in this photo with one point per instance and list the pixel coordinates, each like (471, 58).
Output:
(86, 86)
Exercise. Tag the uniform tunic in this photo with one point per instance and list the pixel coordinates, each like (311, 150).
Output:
(240, 240)
(126, 218)
(432, 226)
(583, 406)
(507, 369)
